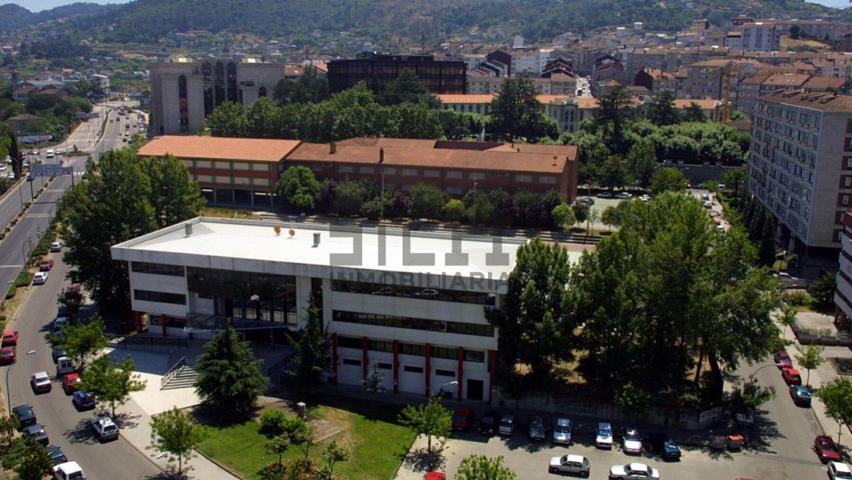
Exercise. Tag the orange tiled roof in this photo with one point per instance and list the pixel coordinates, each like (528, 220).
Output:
(219, 148)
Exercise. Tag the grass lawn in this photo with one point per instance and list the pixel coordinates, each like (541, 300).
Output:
(376, 442)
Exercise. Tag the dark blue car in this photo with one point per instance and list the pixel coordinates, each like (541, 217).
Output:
(56, 455)
(663, 445)
(83, 400)
(801, 395)
(25, 415)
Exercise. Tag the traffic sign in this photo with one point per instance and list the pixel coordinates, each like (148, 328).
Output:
(50, 170)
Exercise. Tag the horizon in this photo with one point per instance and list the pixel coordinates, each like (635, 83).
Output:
(40, 5)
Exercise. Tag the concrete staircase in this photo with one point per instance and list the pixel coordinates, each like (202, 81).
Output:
(182, 377)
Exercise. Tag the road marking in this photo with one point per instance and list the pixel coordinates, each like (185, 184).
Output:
(11, 266)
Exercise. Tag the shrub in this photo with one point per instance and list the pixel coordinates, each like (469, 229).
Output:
(272, 423)
(797, 298)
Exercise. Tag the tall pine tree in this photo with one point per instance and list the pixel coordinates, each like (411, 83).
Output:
(310, 350)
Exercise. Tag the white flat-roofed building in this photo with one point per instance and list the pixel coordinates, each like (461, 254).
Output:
(410, 305)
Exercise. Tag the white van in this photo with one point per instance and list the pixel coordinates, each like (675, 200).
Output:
(50, 153)
(68, 471)
(63, 366)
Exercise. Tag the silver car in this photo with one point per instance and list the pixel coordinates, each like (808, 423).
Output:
(573, 464)
(562, 431)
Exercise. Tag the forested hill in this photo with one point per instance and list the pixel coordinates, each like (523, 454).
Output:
(393, 21)
(14, 17)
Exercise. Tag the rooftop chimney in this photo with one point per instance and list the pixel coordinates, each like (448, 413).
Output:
(316, 239)
(332, 148)
(187, 229)
(382, 155)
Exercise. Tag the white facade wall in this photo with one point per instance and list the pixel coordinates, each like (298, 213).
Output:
(158, 283)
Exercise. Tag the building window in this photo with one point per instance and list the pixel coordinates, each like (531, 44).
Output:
(412, 349)
(476, 176)
(413, 369)
(454, 174)
(847, 163)
(474, 356)
(523, 178)
(547, 179)
(380, 346)
(156, 269)
(183, 104)
(409, 172)
(431, 173)
(351, 361)
(367, 170)
(207, 84)
(384, 366)
(232, 82)
(345, 169)
(159, 297)
(836, 236)
(350, 342)
(261, 92)
(444, 373)
(444, 352)
(260, 167)
(393, 321)
(242, 166)
(408, 291)
(844, 199)
(389, 171)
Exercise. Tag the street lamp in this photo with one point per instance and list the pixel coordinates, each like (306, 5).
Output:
(446, 395)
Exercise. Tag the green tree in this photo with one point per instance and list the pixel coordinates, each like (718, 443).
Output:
(111, 383)
(278, 445)
(310, 350)
(453, 210)
(563, 216)
(349, 196)
(749, 395)
(261, 119)
(272, 423)
(517, 113)
(407, 88)
(28, 459)
(795, 32)
(480, 467)
(693, 113)
(480, 209)
(228, 120)
(668, 179)
(82, 340)
(427, 200)
(810, 357)
(71, 298)
(787, 316)
(299, 188)
(611, 117)
(174, 195)
(299, 433)
(430, 419)
(308, 88)
(108, 206)
(175, 432)
(333, 454)
(15, 155)
(735, 180)
(229, 377)
(823, 288)
(581, 212)
(837, 397)
(642, 162)
(611, 216)
(662, 110)
(534, 321)
(612, 174)
(633, 401)
(8, 425)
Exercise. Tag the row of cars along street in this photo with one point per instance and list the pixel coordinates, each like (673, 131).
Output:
(560, 432)
(824, 446)
(41, 382)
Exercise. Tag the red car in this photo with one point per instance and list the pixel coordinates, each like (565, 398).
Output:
(791, 376)
(463, 419)
(45, 265)
(435, 476)
(782, 359)
(10, 338)
(7, 355)
(826, 449)
(70, 382)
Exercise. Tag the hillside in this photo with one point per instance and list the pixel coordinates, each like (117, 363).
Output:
(15, 17)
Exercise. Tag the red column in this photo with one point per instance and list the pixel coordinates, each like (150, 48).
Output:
(492, 372)
(428, 370)
(365, 361)
(460, 372)
(333, 359)
(395, 366)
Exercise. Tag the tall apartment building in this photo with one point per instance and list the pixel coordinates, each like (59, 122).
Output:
(761, 36)
(843, 295)
(705, 79)
(185, 91)
(377, 69)
(800, 168)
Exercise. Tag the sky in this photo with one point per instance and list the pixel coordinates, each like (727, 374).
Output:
(38, 5)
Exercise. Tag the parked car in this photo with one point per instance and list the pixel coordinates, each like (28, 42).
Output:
(56, 246)
(36, 432)
(58, 323)
(70, 382)
(488, 423)
(662, 445)
(46, 265)
(782, 359)
(573, 464)
(826, 449)
(839, 471)
(83, 400)
(10, 338)
(40, 381)
(7, 355)
(507, 425)
(463, 419)
(606, 194)
(603, 438)
(25, 415)
(537, 430)
(56, 455)
(645, 198)
(68, 471)
(631, 441)
(624, 195)
(39, 278)
(105, 429)
(562, 431)
(791, 376)
(435, 476)
(801, 395)
(56, 353)
(632, 471)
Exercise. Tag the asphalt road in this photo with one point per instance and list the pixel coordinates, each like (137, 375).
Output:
(65, 426)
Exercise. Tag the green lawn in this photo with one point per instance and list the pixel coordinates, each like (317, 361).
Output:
(377, 443)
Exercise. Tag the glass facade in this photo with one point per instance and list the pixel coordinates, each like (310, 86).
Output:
(246, 295)
(414, 323)
(409, 291)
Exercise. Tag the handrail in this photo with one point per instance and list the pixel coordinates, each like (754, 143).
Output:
(171, 372)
